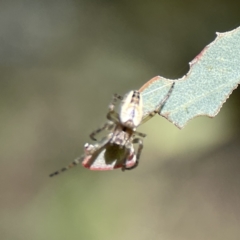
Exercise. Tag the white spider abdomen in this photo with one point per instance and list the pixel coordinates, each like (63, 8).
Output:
(131, 109)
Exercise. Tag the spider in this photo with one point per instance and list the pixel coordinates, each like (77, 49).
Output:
(119, 142)
(123, 124)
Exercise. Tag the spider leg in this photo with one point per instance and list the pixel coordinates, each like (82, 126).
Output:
(107, 125)
(160, 106)
(139, 134)
(89, 149)
(128, 145)
(73, 164)
(138, 154)
(113, 116)
(163, 102)
(114, 101)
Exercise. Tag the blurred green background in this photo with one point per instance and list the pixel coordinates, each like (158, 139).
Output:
(60, 63)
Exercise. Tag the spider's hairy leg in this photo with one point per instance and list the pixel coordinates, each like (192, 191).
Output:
(89, 150)
(113, 116)
(108, 126)
(163, 101)
(129, 146)
(139, 134)
(140, 147)
(138, 154)
(71, 165)
(114, 101)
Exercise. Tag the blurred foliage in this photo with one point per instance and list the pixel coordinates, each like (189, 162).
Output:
(60, 63)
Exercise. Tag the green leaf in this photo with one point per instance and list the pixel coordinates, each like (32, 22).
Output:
(212, 77)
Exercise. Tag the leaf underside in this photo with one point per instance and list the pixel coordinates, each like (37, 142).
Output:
(213, 75)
